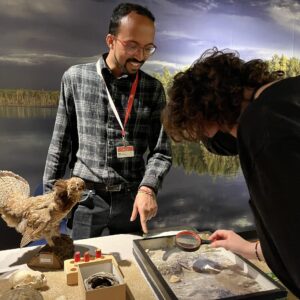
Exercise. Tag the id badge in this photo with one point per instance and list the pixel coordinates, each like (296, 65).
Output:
(125, 151)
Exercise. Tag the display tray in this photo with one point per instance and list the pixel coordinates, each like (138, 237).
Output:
(207, 273)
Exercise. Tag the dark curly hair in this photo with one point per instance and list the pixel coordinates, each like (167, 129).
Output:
(212, 89)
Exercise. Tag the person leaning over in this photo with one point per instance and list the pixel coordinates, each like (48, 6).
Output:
(108, 118)
(221, 95)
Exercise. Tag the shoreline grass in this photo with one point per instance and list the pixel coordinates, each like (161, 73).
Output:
(25, 97)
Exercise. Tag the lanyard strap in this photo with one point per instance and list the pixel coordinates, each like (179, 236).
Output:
(112, 104)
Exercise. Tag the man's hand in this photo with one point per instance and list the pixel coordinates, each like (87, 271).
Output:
(145, 205)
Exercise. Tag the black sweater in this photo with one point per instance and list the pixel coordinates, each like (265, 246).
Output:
(269, 150)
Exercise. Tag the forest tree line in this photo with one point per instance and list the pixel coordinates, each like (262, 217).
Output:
(24, 97)
(192, 157)
(290, 67)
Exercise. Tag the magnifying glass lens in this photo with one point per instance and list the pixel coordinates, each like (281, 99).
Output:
(188, 240)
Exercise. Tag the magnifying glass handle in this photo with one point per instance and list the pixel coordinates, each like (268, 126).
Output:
(205, 242)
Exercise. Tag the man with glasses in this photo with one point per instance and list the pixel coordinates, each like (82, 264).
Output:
(108, 118)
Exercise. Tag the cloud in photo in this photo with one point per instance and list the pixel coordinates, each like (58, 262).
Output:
(40, 38)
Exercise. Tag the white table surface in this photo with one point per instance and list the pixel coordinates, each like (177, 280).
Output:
(120, 244)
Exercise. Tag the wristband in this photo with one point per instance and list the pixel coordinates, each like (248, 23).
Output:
(256, 252)
(146, 192)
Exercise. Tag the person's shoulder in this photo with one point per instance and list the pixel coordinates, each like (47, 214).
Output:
(80, 73)
(81, 68)
(292, 81)
(283, 90)
(293, 78)
(150, 79)
(282, 83)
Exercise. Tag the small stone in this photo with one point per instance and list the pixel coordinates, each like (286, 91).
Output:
(62, 297)
(204, 265)
(174, 279)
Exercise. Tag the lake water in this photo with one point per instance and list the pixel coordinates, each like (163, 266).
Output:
(187, 198)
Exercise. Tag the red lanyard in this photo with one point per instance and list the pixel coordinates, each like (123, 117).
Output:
(111, 102)
(130, 102)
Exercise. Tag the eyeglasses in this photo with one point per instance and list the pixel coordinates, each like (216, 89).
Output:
(132, 48)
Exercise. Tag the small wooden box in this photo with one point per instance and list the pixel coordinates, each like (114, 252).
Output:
(71, 268)
(117, 292)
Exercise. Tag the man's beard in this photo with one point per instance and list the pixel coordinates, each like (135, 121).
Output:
(123, 67)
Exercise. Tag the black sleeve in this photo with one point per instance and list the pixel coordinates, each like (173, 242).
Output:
(222, 144)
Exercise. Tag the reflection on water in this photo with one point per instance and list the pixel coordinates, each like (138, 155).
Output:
(193, 157)
(204, 202)
(201, 190)
(19, 112)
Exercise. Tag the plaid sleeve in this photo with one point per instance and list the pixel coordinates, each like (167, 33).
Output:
(60, 145)
(159, 159)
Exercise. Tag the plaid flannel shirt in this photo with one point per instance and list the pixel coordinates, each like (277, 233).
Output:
(87, 130)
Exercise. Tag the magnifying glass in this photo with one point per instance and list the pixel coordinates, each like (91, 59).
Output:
(189, 241)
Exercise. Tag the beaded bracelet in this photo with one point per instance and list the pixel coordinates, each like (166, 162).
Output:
(146, 192)
(256, 252)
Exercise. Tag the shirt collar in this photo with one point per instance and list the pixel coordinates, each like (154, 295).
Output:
(106, 71)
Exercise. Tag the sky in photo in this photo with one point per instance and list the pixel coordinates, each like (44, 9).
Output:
(42, 38)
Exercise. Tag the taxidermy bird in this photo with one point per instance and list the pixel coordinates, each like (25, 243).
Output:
(37, 217)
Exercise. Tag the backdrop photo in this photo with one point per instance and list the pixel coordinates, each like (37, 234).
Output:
(41, 39)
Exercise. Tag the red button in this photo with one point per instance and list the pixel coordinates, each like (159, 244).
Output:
(86, 256)
(98, 253)
(77, 256)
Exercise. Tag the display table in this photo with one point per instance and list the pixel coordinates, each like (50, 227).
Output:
(118, 245)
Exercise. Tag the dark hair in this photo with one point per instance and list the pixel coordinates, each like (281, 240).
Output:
(123, 10)
(212, 89)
